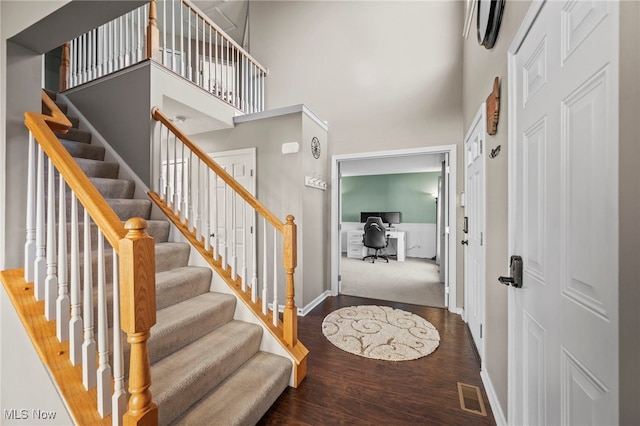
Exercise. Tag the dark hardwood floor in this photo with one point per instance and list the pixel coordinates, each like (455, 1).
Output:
(345, 389)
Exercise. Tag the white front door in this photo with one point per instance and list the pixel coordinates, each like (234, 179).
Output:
(474, 211)
(563, 202)
(232, 220)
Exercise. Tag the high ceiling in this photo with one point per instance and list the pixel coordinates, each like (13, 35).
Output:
(229, 15)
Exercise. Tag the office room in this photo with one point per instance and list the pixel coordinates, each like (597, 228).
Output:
(403, 192)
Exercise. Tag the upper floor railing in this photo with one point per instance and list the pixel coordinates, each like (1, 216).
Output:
(176, 34)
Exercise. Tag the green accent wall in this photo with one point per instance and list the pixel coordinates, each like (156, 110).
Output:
(408, 193)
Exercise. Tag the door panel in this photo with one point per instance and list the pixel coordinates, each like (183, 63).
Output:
(474, 248)
(565, 344)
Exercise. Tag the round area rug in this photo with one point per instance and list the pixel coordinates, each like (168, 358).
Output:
(381, 332)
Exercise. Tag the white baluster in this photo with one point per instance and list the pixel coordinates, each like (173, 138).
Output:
(204, 46)
(165, 57)
(121, 38)
(215, 68)
(174, 167)
(207, 209)
(216, 226)
(104, 369)
(40, 266)
(51, 281)
(127, 41)
(89, 344)
(109, 49)
(254, 269)
(189, 59)
(100, 51)
(211, 85)
(90, 61)
(182, 65)
(261, 91)
(275, 277)
(75, 323)
(243, 271)
(183, 182)
(234, 257)
(199, 201)
(62, 303)
(30, 244)
(191, 205)
(225, 228)
(173, 37)
(167, 196)
(119, 398)
(264, 266)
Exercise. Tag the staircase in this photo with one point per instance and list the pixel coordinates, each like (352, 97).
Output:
(206, 367)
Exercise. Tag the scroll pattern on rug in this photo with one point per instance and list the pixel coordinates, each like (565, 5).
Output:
(381, 332)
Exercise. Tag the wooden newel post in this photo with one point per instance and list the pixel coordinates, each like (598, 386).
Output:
(290, 314)
(64, 68)
(138, 310)
(153, 34)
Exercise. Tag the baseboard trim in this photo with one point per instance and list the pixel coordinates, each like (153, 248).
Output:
(308, 308)
(496, 409)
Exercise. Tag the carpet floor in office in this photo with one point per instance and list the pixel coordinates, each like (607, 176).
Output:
(413, 281)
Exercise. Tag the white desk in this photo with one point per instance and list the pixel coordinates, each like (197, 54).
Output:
(355, 247)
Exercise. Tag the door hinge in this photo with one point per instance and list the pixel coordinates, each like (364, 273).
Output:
(481, 239)
(480, 146)
(339, 227)
(446, 229)
(339, 278)
(251, 229)
(447, 169)
(481, 331)
(251, 172)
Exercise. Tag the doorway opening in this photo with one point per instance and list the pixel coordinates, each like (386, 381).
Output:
(420, 244)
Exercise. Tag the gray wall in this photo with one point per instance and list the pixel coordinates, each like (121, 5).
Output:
(385, 75)
(280, 187)
(481, 66)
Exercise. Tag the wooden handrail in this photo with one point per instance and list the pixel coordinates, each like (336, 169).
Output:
(134, 246)
(222, 173)
(42, 127)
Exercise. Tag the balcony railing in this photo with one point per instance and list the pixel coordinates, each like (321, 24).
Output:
(176, 34)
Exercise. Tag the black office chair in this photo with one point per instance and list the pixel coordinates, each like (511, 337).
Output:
(375, 237)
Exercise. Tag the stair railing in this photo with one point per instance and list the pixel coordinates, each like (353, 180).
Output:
(63, 271)
(176, 34)
(239, 237)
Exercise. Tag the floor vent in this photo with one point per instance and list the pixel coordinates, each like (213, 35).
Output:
(471, 399)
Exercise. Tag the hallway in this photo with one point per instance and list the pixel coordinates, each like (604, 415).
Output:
(341, 388)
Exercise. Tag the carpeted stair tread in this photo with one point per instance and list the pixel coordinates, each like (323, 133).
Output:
(127, 208)
(75, 121)
(174, 325)
(114, 188)
(83, 150)
(171, 255)
(244, 397)
(179, 284)
(95, 168)
(62, 106)
(75, 135)
(183, 377)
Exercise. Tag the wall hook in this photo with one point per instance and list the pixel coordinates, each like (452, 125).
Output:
(494, 152)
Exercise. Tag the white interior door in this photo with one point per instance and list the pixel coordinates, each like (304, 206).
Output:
(474, 211)
(232, 220)
(563, 322)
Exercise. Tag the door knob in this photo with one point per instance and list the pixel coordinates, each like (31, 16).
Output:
(515, 278)
(464, 242)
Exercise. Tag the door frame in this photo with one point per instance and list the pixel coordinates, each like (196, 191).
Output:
(450, 274)
(479, 120)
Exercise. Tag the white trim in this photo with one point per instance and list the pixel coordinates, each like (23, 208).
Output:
(496, 409)
(315, 302)
(292, 109)
(518, 39)
(335, 220)
(479, 120)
